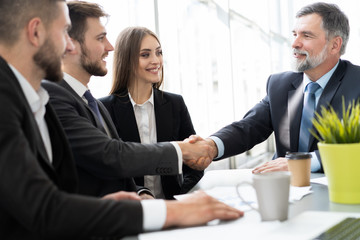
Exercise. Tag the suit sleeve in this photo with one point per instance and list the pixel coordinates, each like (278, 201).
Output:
(254, 128)
(105, 157)
(32, 201)
(191, 176)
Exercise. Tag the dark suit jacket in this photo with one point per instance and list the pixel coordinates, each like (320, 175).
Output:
(103, 162)
(280, 111)
(173, 123)
(35, 195)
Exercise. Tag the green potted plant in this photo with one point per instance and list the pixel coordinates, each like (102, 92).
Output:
(339, 147)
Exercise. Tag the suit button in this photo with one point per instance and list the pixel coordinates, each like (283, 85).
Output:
(160, 170)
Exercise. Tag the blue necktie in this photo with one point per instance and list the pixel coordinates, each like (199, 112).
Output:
(93, 104)
(307, 116)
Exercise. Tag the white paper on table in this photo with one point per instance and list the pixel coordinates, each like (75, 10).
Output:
(223, 178)
(229, 196)
(297, 193)
(321, 180)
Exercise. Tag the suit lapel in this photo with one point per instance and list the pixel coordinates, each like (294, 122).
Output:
(109, 123)
(331, 87)
(39, 143)
(41, 147)
(56, 144)
(96, 122)
(295, 104)
(125, 116)
(65, 175)
(33, 132)
(329, 93)
(164, 130)
(164, 117)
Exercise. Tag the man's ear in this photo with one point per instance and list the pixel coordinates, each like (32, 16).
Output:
(76, 49)
(336, 44)
(36, 32)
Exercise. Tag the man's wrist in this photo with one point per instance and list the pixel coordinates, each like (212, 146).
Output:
(145, 191)
(171, 214)
(219, 146)
(214, 151)
(177, 146)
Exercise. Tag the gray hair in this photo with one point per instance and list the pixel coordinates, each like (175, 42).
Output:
(334, 21)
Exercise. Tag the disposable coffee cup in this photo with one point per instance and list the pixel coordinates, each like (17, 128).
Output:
(299, 164)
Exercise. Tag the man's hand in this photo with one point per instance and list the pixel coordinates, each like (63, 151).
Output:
(197, 209)
(145, 196)
(279, 164)
(197, 152)
(122, 195)
(209, 141)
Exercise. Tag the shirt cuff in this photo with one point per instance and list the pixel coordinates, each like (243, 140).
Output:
(220, 146)
(145, 190)
(315, 164)
(154, 214)
(179, 153)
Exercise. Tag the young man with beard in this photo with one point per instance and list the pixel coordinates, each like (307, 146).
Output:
(105, 163)
(38, 180)
(320, 36)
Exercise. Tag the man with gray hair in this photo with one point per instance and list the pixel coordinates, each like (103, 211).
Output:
(320, 35)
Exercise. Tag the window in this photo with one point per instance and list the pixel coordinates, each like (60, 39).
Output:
(218, 54)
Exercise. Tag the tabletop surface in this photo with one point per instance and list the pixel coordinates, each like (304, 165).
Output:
(299, 211)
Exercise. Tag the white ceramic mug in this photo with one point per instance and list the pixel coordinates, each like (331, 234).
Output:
(272, 192)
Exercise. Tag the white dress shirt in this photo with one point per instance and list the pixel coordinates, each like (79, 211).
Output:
(146, 123)
(154, 211)
(37, 101)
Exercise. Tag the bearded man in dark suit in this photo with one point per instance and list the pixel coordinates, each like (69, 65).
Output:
(38, 180)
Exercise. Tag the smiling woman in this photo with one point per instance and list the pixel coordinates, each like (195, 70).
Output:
(142, 112)
(150, 69)
(218, 54)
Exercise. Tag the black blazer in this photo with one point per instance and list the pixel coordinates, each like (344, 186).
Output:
(173, 123)
(280, 111)
(37, 200)
(105, 164)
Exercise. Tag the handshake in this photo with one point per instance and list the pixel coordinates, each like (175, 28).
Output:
(197, 152)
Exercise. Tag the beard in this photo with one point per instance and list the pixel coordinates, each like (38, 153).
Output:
(49, 61)
(94, 68)
(309, 62)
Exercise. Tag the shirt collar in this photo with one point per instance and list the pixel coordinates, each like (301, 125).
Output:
(36, 99)
(75, 84)
(150, 100)
(323, 80)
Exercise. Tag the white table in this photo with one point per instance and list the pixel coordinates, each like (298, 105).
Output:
(307, 218)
